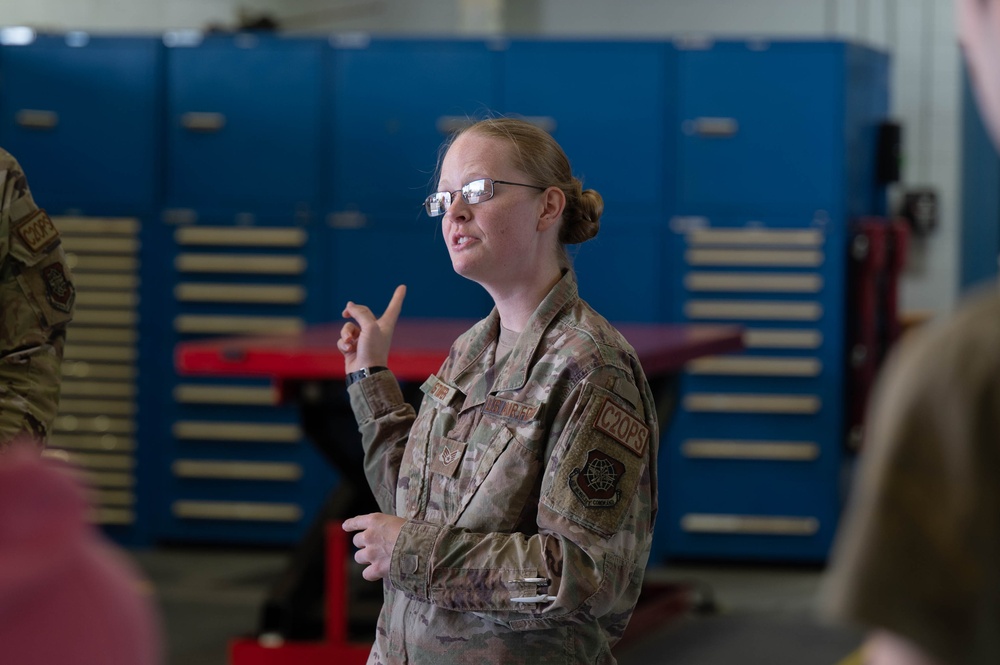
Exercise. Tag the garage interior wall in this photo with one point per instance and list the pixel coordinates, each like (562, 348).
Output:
(919, 34)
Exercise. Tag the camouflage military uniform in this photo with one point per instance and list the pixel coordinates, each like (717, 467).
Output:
(919, 552)
(529, 487)
(36, 303)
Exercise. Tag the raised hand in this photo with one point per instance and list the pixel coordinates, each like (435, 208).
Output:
(365, 340)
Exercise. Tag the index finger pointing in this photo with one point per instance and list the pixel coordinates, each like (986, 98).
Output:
(391, 314)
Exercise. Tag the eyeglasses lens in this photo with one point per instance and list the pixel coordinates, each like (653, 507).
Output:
(478, 190)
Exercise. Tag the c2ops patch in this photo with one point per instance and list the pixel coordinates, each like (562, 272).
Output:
(598, 475)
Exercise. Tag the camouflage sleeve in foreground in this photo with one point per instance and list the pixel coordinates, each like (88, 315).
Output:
(36, 301)
(594, 526)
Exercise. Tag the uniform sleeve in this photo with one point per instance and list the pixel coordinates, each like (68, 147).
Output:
(918, 550)
(37, 298)
(384, 419)
(594, 524)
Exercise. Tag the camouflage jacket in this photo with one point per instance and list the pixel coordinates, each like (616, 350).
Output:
(529, 488)
(36, 303)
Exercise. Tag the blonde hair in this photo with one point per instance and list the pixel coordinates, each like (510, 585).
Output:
(543, 160)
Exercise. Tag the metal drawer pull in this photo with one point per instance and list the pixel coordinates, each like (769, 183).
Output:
(234, 510)
(196, 121)
(240, 293)
(247, 264)
(754, 309)
(117, 516)
(126, 336)
(742, 282)
(101, 263)
(89, 245)
(99, 462)
(106, 281)
(761, 338)
(756, 237)
(770, 258)
(106, 442)
(96, 407)
(226, 470)
(114, 497)
(722, 128)
(240, 236)
(749, 403)
(755, 366)
(85, 316)
(237, 325)
(786, 451)
(244, 395)
(254, 432)
(97, 226)
(103, 389)
(122, 354)
(36, 119)
(82, 369)
(750, 525)
(93, 424)
(109, 479)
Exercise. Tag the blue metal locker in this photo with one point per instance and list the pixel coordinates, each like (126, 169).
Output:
(235, 464)
(82, 113)
(244, 124)
(394, 104)
(777, 127)
(776, 157)
(608, 108)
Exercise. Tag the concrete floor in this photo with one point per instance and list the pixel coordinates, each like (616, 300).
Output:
(764, 613)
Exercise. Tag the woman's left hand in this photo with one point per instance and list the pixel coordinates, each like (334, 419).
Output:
(375, 538)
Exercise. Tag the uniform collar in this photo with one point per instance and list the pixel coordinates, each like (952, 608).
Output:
(476, 376)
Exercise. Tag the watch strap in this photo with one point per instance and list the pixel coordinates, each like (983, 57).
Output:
(363, 373)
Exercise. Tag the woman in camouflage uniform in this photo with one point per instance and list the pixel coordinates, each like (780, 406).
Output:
(36, 303)
(518, 504)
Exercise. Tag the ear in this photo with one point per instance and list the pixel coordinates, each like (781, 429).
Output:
(553, 204)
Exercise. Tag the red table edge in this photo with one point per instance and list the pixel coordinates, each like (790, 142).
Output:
(306, 356)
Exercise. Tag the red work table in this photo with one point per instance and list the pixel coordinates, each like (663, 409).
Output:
(420, 346)
(309, 369)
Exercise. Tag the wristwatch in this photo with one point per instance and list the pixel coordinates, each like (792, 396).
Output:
(362, 373)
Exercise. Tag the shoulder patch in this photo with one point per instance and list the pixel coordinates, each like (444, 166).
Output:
(596, 483)
(37, 231)
(623, 427)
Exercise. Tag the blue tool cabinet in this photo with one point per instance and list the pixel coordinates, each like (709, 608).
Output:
(253, 183)
(82, 115)
(776, 155)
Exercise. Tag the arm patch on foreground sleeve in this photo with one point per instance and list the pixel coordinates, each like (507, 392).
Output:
(602, 461)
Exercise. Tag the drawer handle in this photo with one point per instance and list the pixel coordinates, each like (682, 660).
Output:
(34, 119)
(203, 122)
(712, 128)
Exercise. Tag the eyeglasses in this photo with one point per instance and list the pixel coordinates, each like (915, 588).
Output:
(473, 192)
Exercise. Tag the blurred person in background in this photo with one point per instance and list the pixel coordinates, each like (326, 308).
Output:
(917, 558)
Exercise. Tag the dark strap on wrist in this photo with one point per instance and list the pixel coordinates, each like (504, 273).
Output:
(363, 373)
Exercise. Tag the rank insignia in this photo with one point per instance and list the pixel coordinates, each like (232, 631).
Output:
(596, 484)
(58, 289)
(446, 460)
